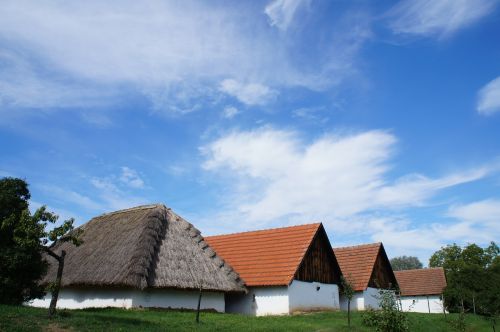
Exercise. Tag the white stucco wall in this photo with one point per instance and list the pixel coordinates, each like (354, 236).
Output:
(420, 304)
(259, 301)
(304, 296)
(371, 297)
(162, 298)
(368, 298)
(299, 296)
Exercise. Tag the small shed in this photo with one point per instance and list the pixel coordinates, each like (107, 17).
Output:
(421, 290)
(146, 256)
(285, 270)
(368, 269)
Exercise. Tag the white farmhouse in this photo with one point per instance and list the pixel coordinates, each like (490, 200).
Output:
(145, 256)
(422, 289)
(368, 270)
(285, 270)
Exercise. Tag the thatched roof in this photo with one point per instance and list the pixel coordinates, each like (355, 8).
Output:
(146, 246)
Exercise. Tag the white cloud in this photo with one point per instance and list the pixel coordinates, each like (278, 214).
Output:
(70, 196)
(131, 178)
(175, 54)
(113, 197)
(437, 17)
(230, 112)
(489, 98)
(485, 212)
(281, 12)
(334, 177)
(249, 94)
(22, 86)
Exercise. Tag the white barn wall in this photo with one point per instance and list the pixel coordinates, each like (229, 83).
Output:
(419, 304)
(369, 298)
(259, 301)
(162, 298)
(299, 296)
(357, 302)
(304, 296)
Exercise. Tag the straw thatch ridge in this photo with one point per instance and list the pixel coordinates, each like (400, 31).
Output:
(144, 247)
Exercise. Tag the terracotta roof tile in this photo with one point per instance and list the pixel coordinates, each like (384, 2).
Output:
(267, 257)
(357, 262)
(421, 281)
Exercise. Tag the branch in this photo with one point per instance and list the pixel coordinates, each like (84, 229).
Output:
(51, 253)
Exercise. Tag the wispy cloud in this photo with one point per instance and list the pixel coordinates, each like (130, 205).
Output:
(489, 98)
(113, 197)
(23, 85)
(70, 196)
(175, 54)
(131, 178)
(281, 12)
(439, 18)
(230, 112)
(249, 94)
(275, 177)
(333, 176)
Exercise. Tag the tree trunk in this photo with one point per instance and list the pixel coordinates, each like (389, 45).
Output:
(428, 304)
(473, 303)
(198, 308)
(55, 291)
(349, 313)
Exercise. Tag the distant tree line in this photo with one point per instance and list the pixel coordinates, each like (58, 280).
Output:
(406, 263)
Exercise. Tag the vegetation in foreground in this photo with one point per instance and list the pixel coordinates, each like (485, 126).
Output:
(17, 318)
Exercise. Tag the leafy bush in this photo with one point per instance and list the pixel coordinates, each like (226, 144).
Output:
(389, 318)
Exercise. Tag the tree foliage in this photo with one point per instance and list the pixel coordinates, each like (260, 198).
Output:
(473, 277)
(21, 263)
(389, 318)
(24, 237)
(406, 263)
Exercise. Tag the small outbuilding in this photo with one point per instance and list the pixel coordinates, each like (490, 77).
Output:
(146, 256)
(368, 269)
(421, 290)
(285, 270)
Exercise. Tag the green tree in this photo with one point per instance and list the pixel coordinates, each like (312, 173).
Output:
(21, 263)
(347, 290)
(466, 272)
(406, 263)
(48, 239)
(24, 237)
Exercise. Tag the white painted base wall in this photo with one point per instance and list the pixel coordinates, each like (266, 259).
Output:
(420, 304)
(160, 298)
(299, 296)
(309, 296)
(368, 298)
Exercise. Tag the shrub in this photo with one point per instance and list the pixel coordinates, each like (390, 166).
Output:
(389, 318)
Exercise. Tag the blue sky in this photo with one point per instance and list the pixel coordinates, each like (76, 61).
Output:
(380, 119)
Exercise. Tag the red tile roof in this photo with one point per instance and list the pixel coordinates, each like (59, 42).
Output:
(357, 262)
(267, 257)
(421, 281)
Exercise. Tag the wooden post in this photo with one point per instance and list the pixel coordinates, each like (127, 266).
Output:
(428, 304)
(55, 291)
(198, 308)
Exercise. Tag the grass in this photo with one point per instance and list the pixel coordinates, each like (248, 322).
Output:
(17, 318)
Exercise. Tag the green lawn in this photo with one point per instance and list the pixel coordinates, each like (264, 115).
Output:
(33, 319)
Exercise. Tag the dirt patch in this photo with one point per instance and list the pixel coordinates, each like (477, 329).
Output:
(53, 327)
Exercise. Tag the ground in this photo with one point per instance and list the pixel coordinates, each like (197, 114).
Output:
(33, 319)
